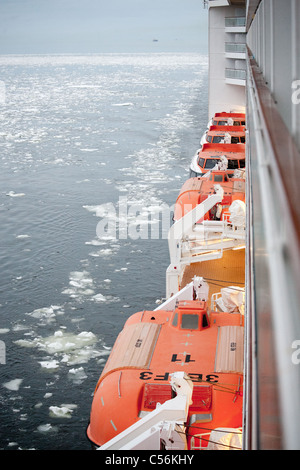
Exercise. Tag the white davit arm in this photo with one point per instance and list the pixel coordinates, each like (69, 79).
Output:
(165, 423)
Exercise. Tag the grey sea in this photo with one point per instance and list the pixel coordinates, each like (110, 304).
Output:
(91, 148)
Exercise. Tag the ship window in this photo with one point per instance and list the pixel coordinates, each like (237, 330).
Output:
(218, 178)
(217, 139)
(208, 138)
(221, 123)
(189, 321)
(242, 163)
(234, 140)
(201, 162)
(211, 162)
(242, 140)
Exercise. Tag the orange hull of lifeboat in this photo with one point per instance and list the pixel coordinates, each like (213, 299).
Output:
(221, 119)
(196, 190)
(216, 133)
(154, 344)
(210, 154)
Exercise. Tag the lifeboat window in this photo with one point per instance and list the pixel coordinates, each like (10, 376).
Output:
(234, 140)
(201, 162)
(175, 320)
(218, 178)
(243, 140)
(233, 164)
(242, 163)
(218, 139)
(189, 321)
(211, 162)
(205, 322)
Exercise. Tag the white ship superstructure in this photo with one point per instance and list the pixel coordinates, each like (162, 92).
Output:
(254, 63)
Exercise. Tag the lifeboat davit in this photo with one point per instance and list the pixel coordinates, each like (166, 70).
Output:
(206, 344)
(196, 190)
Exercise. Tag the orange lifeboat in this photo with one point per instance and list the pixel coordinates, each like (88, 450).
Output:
(229, 119)
(206, 345)
(196, 190)
(224, 134)
(210, 155)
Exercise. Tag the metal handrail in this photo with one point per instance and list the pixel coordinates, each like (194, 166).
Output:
(236, 21)
(238, 74)
(235, 47)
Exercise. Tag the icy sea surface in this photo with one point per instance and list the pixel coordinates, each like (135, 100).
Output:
(78, 135)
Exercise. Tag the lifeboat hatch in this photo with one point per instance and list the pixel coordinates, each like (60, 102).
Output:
(160, 393)
(187, 318)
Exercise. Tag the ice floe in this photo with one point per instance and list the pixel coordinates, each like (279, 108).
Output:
(81, 284)
(63, 411)
(13, 385)
(13, 194)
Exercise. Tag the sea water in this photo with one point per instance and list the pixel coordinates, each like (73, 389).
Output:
(91, 149)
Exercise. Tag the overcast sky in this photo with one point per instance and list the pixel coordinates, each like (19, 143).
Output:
(95, 26)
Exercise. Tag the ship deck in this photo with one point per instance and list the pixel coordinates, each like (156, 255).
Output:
(226, 271)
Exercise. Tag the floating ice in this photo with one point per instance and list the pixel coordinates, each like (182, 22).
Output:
(77, 375)
(95, 243)
(13, 384)
(52, 365)
(13, 194)
(23, 236)
(81, 284)
(99, 298)
(122, 104)
(72, 348)
(103, 252)
(46, 428)
(47, 314)
(63, 411)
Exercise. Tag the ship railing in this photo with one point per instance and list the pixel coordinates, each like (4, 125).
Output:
(236, 21)
(199, 441)
(236, 74)
(218, 439)
(212, 236)
(235, 47)
(217, 305)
